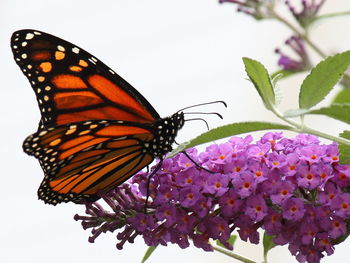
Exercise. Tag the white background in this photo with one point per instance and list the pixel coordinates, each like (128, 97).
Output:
(176, 53)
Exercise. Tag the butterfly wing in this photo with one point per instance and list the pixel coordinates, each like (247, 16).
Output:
(71, 85)
(82, 159)
(95, 127)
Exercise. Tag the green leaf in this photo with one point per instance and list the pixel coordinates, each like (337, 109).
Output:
(322, 79)
(261, 80)
(277, 90)
(268, 244)
(148, 253)
(231, 241)
(294, 113)
(340, 112)
(283, 73)
(227, 131)
(344, 150)
(342, 97)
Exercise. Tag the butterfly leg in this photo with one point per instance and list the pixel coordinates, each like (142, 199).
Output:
(195, 163)
(155, 170)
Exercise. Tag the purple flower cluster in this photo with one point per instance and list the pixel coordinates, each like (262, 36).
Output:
(302, 63)
(309, 10)
(294, 189)
(255, 8)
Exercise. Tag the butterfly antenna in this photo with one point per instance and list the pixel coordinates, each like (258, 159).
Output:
(205, 103)
(200, 119)
(155, 170)
(206, 113)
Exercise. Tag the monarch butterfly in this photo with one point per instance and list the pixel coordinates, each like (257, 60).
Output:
(96, 130)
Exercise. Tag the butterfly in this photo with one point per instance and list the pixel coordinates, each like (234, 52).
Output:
(96, 130)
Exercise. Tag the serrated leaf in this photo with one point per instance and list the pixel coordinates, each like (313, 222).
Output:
(283, 73)
(277, 90)
(148, 253)
(227, 131)
(231, 241)
(340, 112)
(294, 113)
(342, 97)
(322, 79)
(261, 80)
(344, 150)
(268, 244)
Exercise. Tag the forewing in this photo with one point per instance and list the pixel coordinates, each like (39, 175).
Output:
(82, 159)
(71, 85)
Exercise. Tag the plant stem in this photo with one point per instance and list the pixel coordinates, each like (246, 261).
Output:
(233, 255)
(344, 13)
(304, 129)
(297, 32)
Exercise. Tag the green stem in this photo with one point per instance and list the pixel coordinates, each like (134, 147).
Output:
(304, 129)
(297, 32)
(233, 255)
(345, 13)
(265, 258)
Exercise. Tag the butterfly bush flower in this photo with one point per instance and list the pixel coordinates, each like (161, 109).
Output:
(308, 12)
(294, 189)
(301, 63)
(258, 9)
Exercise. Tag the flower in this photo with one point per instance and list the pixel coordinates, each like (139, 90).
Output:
(258, 9)
(308, 12)
(302, 63)
(294, 189)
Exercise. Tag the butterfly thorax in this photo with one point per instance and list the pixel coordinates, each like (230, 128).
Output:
(165, 131)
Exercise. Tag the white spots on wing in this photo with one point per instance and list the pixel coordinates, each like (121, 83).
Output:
(24, 56)
(60, 48)
(111, 71)
(37, 33)
(92, 61)
(24, 43)
(76, 50)
(42, 133)
(28, 36)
